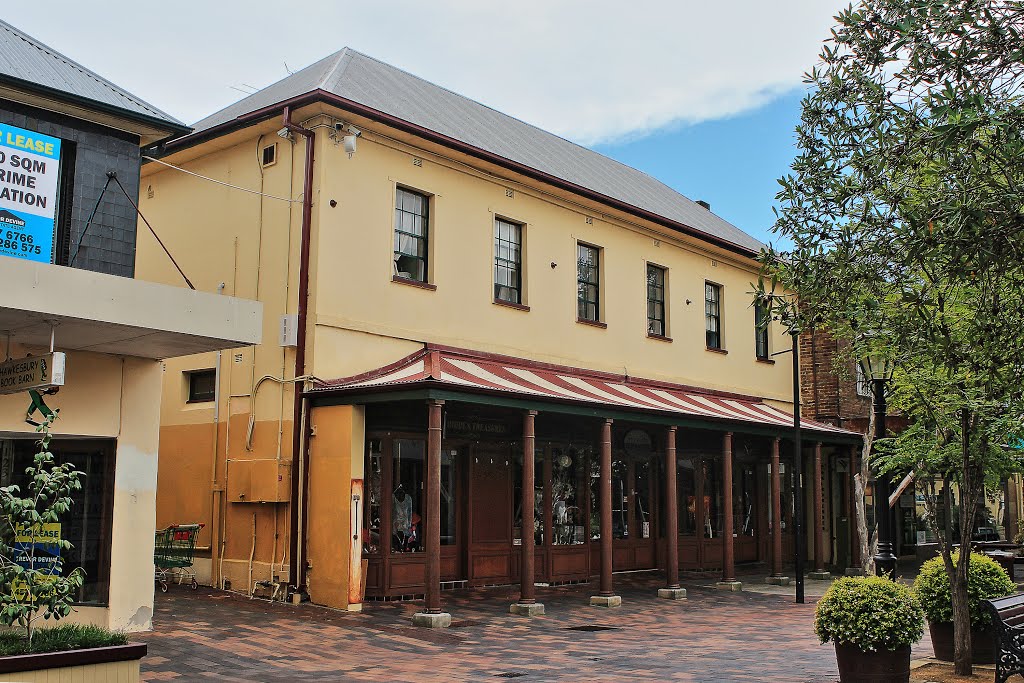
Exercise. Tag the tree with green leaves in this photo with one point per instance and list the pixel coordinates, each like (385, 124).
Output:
(32, 583)
(905, 212)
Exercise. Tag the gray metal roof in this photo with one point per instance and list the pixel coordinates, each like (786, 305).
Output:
(24, 58)
(372, 83)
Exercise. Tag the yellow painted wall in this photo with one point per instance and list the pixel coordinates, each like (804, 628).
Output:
(360, 319)
(113, 397)
(335, 458)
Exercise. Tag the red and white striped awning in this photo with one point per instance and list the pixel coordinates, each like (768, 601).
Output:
(467, 370)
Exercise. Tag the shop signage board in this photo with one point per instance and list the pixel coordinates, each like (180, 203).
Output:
(35, 372)
(29, 178)
(38, 549)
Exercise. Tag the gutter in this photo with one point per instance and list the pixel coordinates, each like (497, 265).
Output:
(318, 95)
(300, 452)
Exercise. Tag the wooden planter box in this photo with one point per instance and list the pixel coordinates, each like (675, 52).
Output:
(114, 663)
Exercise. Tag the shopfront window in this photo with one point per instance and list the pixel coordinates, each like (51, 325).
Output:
(374, 474)
(744, 513)
(687, 491)
(408, 488)
(641, 499)
(87, 524)
(785, 495)
(538, 499)
(620, 499)
(712, 524)
(567, 496)
(448, 498)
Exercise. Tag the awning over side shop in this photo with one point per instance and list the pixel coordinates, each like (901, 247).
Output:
(458, 369)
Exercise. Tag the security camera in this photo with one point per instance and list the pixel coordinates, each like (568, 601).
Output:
(342, 127)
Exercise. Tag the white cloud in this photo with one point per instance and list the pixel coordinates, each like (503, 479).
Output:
(591, 71)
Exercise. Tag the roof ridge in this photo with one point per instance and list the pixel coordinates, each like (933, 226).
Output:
(338, 71)
(85, 71)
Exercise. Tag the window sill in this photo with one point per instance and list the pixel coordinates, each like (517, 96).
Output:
(766, 361)
(413, 283)
(721, 351)
(199, 401)
(592, 323)
(509, 304)
(659, 337)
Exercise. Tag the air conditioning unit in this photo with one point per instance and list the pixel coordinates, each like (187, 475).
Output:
(288, 332)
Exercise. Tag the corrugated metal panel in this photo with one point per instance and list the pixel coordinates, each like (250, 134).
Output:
(27, 59)
(380, 86)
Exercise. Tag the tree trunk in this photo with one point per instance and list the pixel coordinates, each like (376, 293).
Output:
(961, 606)
(860, 480)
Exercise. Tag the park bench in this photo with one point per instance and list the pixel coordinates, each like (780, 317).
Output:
(1008, 620)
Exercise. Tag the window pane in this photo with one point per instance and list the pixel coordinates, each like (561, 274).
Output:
(538, 499)
(567, 496)
(407, 460)
(712, 470)
(448, 501)
(686, 484)
(411, 228)
(374, 473)
(641, 499)
(202, 386)
(620, 499)
(86, 525)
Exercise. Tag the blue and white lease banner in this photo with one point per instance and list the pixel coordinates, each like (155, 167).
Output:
(29, 177)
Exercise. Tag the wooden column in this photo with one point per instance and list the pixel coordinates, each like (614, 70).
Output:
(432, 616)
(671, 512)
(776, 487)
(728, 552)
(606, 595)
(854, 539)
(526, 589)
(433, 522)
(606, 509)
(819, 531)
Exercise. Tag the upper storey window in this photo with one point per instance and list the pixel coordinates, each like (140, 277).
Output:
(412, 227)
(588, 282)
(508, 264)
(713, 314)
(656, 301)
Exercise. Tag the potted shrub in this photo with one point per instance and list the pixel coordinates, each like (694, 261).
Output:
(34, 586)
(985, 580)
(873, 621)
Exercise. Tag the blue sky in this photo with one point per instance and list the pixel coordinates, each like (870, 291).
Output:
(733, 163)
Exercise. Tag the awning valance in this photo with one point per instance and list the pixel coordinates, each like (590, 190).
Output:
(470, 371)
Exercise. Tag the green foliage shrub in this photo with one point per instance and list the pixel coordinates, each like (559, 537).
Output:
(985, 580)
(869, 612)
(58, 639)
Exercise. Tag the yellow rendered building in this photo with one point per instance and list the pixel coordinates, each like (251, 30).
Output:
(452, 296)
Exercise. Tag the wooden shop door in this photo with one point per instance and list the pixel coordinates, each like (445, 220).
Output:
(490, 519)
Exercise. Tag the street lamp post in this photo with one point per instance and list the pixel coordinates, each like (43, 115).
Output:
(879, 370)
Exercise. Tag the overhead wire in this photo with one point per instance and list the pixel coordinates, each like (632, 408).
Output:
(221, 182)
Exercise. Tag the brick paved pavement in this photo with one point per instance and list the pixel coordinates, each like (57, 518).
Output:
(712, 636)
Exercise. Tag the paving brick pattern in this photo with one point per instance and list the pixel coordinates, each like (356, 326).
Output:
(712, 636)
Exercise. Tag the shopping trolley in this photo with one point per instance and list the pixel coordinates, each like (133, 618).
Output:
(174, 553)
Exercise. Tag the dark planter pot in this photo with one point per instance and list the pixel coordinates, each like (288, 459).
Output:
(884, 666)
(983, 643)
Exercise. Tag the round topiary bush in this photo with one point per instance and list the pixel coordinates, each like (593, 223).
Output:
(985, 580)
(869, 612)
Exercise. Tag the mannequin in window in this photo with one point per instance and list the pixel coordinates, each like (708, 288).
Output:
(401, 518)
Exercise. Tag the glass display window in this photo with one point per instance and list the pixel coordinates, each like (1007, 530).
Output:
(744, 496)
(538, 499)
(567, 496)
(372, 510)
(408, 487)
(712, 476)
(87, 524)
(686, 487)
(642, 498)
